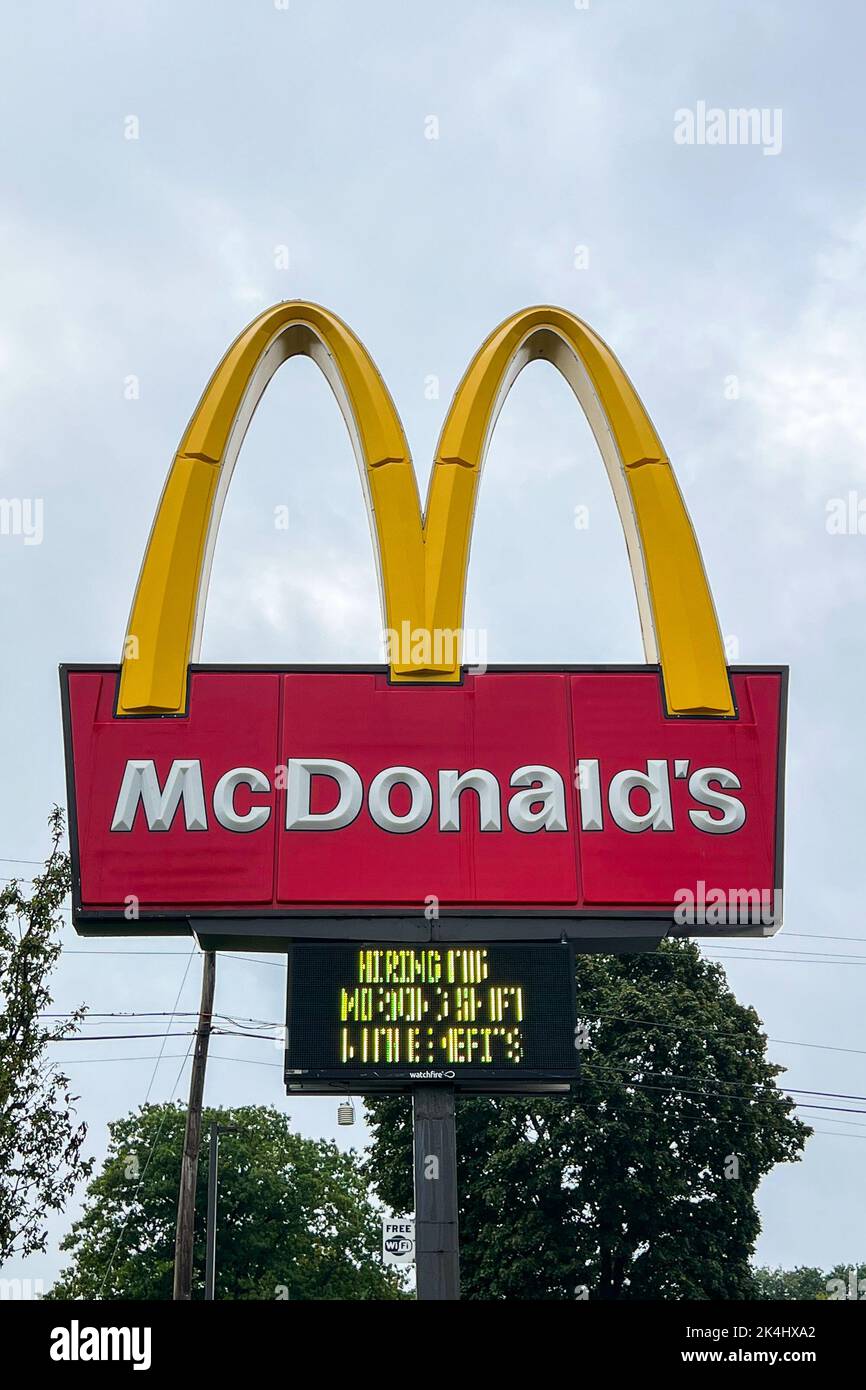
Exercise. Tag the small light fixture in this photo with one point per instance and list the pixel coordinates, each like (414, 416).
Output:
(345, 1113)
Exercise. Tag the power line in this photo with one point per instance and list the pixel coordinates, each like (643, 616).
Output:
(145, 1168)
(157, 1061)
(834, 1134)
(735, 952)
(817, 959)
(257, 1062)
(775, 1094)
(767, 950)
(128, 1037)
(849, 1124)
(708, 1033)
(122, 1037)
(247, 1061)
(718, 1033)
(774, 1091)
(224, 955)
(823, 936)
(244, 1019)
(823, 1047)
(176, 1002)
(770, 952)
(94, 1015)
(748, 1100)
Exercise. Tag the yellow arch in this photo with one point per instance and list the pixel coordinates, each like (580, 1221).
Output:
(422, 563)
(165, 624)
(678, 618)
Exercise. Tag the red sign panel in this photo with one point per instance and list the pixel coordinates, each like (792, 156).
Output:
(308, 795)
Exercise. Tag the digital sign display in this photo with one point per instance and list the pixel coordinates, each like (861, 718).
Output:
(365, 1017)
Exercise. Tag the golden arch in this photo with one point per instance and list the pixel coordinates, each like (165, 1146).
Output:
(423, 560)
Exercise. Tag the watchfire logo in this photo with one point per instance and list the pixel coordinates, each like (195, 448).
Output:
(77, 1343)
(538, 801)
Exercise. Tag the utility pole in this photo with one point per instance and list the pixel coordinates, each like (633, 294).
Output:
(183, 1246)
(437, 1250)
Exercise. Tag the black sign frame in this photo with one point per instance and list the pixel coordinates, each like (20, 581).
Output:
(365, 1079)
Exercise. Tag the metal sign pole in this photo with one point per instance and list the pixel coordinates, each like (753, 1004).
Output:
(437, 1250)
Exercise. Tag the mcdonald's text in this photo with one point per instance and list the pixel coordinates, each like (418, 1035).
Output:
(538, 804)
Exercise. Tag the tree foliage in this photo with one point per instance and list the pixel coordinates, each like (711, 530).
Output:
(295, 1219)
(642, 1185)
(41, 1141)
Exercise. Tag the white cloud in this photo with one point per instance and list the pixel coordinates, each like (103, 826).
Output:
(809, 383)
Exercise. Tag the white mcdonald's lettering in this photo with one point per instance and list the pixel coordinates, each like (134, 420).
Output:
(538, 800)
(655, 785)
(140, 784)
(184, 785)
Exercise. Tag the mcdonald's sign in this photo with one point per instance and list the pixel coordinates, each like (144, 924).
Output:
(422, 800)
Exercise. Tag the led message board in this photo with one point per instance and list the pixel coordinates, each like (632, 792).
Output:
(365, 1017)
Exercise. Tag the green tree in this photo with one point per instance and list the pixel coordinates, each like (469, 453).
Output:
(40, 1140)
(841, 1282)
(642, 1185)
(295, 1218)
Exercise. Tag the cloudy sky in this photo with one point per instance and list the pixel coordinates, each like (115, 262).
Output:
(285, 150)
